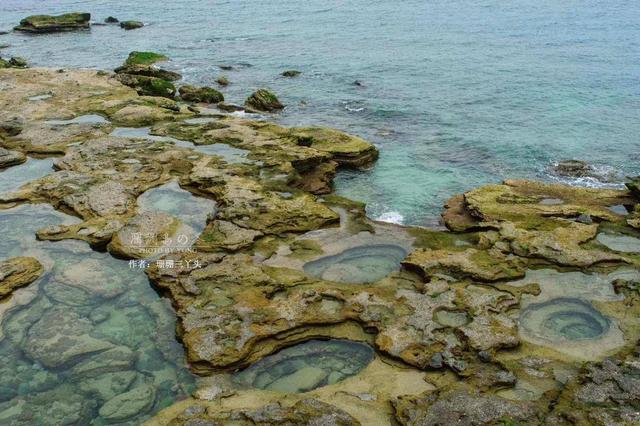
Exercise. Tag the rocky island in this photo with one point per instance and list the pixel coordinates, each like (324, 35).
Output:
(293, 307)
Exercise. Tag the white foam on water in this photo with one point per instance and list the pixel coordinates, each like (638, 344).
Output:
(391, 217)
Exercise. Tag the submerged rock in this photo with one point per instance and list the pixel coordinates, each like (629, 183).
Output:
(60, 337)
(264, 100)
(200, 94)
(577, 169)
(290, 73)
(222, 81)
(18, 272)
(129, 404)
(131, 25)
(51, 24)
(111, 20)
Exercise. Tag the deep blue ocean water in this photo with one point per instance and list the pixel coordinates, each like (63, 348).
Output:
(455, 93)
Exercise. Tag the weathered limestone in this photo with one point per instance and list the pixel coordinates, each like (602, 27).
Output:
(11, 158)
(450, 315)
(18, 272)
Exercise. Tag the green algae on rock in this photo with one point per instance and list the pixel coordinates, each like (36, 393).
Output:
(144, 58)
(51, 24)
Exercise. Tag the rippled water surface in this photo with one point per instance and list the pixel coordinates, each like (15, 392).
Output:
(454, 93)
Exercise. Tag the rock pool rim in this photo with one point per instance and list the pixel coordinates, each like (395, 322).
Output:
(590, 314)
(316, 268)
(283, 355)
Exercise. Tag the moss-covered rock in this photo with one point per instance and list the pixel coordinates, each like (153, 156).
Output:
(144, 58)
(264, 100)
(200, 94)
(13, 62)
(131, 25)
(222, 80)
(51, 24)
(148, 86)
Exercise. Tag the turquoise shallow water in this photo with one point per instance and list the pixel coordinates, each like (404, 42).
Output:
(454, 93)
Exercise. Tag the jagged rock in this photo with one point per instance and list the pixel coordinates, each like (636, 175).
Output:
(305, 412)
(18, 272)
(126, 405)
(51, 24)
(264, 100)
(605, 393)
(200, 94)
(131, 25)
(463, 407)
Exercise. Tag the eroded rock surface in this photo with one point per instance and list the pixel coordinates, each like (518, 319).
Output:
(446, 325)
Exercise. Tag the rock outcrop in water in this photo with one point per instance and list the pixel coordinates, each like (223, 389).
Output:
(263, 100)
(51, 24)
(465, 327)
(140, 73)
(200, 94)
(131, 25)
(13, 62)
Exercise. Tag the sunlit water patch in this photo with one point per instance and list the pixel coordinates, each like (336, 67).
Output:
(619, 242)
(94, 345)
(307, 366)
(177, 202)
(363, 264)
(14, 177)
(228, 153)
(83, 119)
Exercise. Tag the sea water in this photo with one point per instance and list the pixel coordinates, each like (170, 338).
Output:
(454, 93)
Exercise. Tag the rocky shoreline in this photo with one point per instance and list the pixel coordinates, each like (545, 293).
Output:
(473, 325)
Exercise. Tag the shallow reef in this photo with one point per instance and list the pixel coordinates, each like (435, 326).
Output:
(290, 305)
